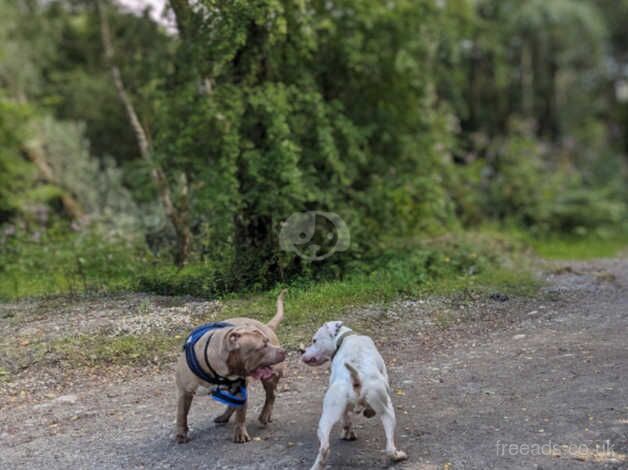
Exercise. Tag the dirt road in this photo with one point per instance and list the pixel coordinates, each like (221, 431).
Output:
(478, 384)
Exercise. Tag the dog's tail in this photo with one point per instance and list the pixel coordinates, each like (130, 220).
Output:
(355, 378)
(356, 382)
(274, 323)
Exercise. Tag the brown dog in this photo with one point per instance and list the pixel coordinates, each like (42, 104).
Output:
(246, 348)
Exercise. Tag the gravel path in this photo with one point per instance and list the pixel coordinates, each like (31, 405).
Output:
(478, 384)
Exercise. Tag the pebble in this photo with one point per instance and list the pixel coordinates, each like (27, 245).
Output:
(70, 399)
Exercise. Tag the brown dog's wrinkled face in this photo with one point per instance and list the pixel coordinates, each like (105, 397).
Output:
(323, 344)
(253, 353)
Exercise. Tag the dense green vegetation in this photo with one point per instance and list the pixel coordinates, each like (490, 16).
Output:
(135, 156)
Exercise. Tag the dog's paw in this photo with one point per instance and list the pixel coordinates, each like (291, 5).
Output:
(265, 418)
(182, 438)
(348, 435)
(222, 419)
(241, 436)
(398, 456)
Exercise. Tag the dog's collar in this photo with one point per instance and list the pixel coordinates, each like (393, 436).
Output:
(341, 340)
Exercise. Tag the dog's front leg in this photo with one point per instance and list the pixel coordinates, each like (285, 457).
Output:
(183, 408)
(334, 405)
(270, 385)
(240, 434)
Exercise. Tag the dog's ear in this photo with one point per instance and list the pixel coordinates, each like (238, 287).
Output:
(233, 341)
(334, 327)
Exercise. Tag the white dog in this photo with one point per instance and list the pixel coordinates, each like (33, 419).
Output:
(358, 383)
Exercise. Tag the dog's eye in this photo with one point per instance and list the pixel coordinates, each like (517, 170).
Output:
(314, 341)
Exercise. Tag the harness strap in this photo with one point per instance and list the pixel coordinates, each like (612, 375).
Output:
(192, 361)
(218, 379)
(190, 357)
(235, 393)
(234, 400)
(341, 340)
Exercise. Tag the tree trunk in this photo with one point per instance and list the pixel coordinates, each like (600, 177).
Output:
(527, 80)
(182, 13)
(176, 215)
(36, 155)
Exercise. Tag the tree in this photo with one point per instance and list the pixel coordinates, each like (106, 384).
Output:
(176, 213)
(20, 82)
(285, 106)
(526, 59)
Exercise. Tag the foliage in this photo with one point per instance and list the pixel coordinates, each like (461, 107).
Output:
(15, 173)
(474, 263)
(55, 261)
(520, 183)
(525, 59)
(277, 134)
(600, 245)
(420, 270)
(408, 119)
(413, 269)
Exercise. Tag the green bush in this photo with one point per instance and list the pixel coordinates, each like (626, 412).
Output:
(521, 183)
(60, 261)
(200, 280)
(578, 211)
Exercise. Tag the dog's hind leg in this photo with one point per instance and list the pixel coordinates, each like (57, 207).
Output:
(334, 405)
(270, 385)
(348, 434)
(389, 421)
(225, 417)
(382, 405)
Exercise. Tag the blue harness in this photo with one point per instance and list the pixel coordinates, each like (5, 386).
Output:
(227, 391)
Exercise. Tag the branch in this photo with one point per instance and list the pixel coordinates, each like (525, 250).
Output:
(35, 154)
(105, 33)
(177, 217)
(140, 134)
(182, 13)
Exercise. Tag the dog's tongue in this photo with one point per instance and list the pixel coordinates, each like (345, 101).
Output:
(262, 373)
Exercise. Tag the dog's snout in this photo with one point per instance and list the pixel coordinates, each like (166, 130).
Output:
(309, 360)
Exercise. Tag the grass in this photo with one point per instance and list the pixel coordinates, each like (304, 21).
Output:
(320, 302)
(580, 248)
(474, 263)
(80, 351)
(93, 350)
(62, 263)
(69, 263)
(591, 245)
(307, 306)
(471, 263)
(479, 262)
